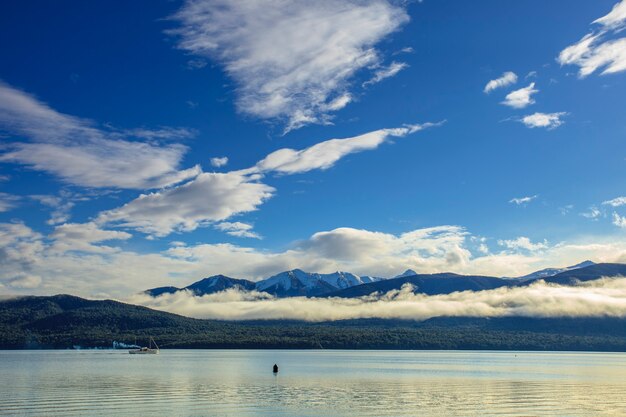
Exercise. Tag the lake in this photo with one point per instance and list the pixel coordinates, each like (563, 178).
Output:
(311, 383)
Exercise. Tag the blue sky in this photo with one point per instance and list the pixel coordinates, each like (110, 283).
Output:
(157, 142)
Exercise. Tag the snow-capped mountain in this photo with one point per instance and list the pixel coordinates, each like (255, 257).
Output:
(299, 282)
(549, 272)
(345, 284)
(289, 283)
(218, 283)
(208, 285)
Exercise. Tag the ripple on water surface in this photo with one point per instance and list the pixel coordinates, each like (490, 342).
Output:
(311, 383)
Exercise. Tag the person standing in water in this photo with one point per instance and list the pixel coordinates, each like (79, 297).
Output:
(275, 368)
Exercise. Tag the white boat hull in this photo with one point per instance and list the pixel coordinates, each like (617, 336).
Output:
(144, 352)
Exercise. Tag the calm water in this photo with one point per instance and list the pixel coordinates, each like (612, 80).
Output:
(311, 383)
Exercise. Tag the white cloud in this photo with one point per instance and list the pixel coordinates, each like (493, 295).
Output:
(601, 298)
(521, 98)
(405, 50)
(594, 213)
(82, 236)
(219, 161)
(522, 200)
(597, 50)
(616, 202)
(616, 18)
(8, 202)
(210, 197)
(25, 281)
(61, 205)
(548, 120)
(507, 79)
(290, 59)
(619, 221)
(325, 154)
(524, 243)
(78, 152)
(238, 229)
(104, 272)
(166, 133)
(386, 72)
(215, 197)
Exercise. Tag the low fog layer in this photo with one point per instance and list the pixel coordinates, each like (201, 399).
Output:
(603, 297)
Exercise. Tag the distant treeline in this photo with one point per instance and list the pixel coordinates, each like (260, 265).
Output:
(64, 321)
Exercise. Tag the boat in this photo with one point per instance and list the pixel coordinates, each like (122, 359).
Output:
(146, 350)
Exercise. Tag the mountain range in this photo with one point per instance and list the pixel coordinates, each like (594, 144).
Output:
(347, 285)
(64, 321)
(286, 284)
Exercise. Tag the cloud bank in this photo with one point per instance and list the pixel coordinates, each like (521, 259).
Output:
(82, 258)
(600, 298)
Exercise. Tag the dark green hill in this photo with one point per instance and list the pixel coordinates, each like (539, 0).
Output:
(64, 321)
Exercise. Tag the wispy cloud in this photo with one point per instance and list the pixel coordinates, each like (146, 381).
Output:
(593, 213)
(161, 133)
(546, 120)
(619, 221)
(238, 229)
(523, 200)
(8, 202)
(616, 202)
(386, 72)
(80, 153)
(325, 154)
(290, 59)
(216, 197)
(84, 237)
(521, 98)
(61, 205)
(507, 79)
(600, 49)
(524, 243)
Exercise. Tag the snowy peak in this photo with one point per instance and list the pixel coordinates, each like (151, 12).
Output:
(549, 272)
(298, 282)
(407, 273)
(295, 282)
(341, 279)
(218, 283)
(367, 279)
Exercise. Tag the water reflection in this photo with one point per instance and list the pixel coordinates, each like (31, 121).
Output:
(312, 383)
